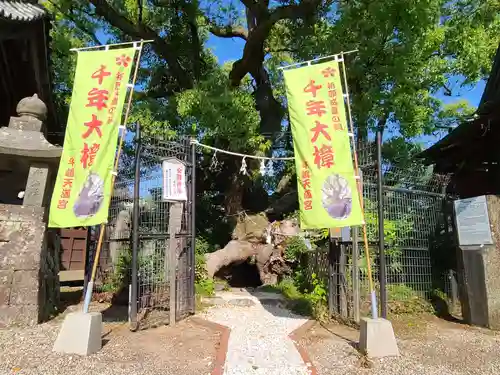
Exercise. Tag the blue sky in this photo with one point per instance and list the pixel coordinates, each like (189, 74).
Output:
(231, 49)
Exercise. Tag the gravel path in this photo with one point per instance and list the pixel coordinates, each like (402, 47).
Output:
(258, 341)
(428, 346)
(186, 349)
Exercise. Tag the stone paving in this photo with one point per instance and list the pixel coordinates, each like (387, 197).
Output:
(259, 338)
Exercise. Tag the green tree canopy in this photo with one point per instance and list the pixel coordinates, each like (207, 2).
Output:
(408, 52)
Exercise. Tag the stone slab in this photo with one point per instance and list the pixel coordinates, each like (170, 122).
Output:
(37, 186)
(71, 275)
(6, 277)
(376, 338)
(18, 316)
(25, 288)
(81, 333)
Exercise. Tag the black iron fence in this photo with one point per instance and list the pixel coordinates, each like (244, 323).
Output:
(142, 255)
(418, 237)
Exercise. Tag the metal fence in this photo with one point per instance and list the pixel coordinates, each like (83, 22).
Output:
(163, 258)
(418, 236)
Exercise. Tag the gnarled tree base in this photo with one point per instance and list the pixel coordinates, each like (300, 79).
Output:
(261, 242)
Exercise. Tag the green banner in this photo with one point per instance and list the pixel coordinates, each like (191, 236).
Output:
(328, 194)
(82, 191)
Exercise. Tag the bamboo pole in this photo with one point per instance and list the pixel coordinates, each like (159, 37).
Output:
(360, 193)
(90, 287)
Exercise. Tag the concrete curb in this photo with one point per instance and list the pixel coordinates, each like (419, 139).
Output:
(220, 356)
(295, 336)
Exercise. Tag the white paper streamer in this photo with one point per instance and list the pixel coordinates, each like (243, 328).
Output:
(243, 169)
(270, 169)
(263, 167)
(214, 163)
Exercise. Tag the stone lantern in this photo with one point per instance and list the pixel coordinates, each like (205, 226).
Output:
(28, 162)
(29, 253)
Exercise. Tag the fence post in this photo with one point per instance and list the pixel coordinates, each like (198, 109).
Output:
(342, 280)
(193, 222)
(454, 289)
(135, 230)
(87, 266)
(331, 272)
(355, 274)
(174, 228)
(381, 242)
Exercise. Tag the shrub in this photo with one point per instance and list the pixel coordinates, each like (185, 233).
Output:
(203, 285)
(294, 248)
(404, 300)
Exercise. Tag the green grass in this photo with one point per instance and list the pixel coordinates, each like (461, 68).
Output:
(300, 303)
(204, 288)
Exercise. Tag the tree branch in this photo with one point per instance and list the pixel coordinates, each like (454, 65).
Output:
(381, 123)
(258, 8)
(78, 24)
(163, 49)
(191, 15)
(253, 53)
(228, 31)
(152, 94)
(281, 50)
(140, 10)
(447, 90)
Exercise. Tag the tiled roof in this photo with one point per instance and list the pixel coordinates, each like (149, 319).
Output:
(21, 11)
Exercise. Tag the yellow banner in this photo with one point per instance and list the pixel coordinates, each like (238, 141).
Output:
(82, 191)
(328, 194)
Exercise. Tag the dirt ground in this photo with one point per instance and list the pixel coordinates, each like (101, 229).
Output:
(428, 345)
(185, 349)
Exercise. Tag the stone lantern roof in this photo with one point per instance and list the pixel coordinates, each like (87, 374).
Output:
(23, 137)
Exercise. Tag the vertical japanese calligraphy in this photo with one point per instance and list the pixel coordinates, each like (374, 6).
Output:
(174, 180)
(82, 190)
(327, 189)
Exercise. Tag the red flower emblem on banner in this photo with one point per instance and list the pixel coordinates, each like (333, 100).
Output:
(329, 72)
(123, 60)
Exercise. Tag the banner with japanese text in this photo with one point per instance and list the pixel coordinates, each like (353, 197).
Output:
(327, 189)
(82, 190)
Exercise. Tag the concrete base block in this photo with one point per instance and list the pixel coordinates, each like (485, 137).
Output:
(81, 333)
(376, 338)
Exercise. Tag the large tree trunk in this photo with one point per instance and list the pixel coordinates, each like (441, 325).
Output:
(233, 252)
(255, 237)
(234, 189)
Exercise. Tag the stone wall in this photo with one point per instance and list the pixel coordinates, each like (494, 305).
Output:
(29, 266)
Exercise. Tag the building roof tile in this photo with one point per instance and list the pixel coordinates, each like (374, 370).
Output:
(21, 11)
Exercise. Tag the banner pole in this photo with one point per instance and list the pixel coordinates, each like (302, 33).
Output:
(373, 296)
(90, 287)
(309, 62)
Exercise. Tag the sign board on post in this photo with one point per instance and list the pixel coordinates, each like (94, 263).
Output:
(174, 180)
(473, 222)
